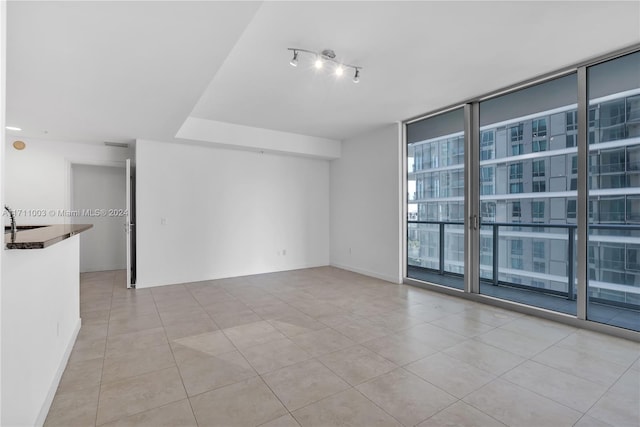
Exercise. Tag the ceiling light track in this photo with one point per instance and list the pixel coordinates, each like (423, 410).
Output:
(324, 57)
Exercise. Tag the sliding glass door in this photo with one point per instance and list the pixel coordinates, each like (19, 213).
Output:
(435, 199)
(614, 192)
(528, 193)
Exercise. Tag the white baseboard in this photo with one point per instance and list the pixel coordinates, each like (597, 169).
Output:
(142, 284)
(369, 273)
(93, 269)
(46, 405)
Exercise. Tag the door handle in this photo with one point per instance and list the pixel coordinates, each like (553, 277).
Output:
(475, 222)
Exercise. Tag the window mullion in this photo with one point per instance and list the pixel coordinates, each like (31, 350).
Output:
(472, 198)
(583, 194)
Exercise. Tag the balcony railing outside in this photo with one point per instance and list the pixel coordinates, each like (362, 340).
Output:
(507, 257)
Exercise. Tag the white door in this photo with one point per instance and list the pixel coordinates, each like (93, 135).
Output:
(130, 225)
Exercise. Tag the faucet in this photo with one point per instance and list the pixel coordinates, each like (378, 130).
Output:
(14, 227)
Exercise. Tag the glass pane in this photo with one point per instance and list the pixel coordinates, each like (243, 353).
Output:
(527, 195)
(614, 192)
(435, 185)
(454, 249)
(423, 247)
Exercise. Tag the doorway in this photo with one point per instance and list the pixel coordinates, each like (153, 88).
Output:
(98, 198)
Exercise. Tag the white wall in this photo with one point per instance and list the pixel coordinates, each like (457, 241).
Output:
(229, 135)
(3, 74)
(366, 205)
(39, 177)
(206, 213)
(40, 320)
(100, 187)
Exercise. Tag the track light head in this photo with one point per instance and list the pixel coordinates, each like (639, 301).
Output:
(294, 60)
(339, 70)
(319, 63)
(356, 76)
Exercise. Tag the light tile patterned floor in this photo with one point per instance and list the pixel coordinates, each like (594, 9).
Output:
(323, 347)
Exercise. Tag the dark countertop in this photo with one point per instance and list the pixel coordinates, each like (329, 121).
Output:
(40, 237)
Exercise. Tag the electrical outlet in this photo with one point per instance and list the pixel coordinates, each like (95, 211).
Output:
(163, 221)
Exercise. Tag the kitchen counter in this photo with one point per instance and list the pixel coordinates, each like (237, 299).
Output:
(40, 237)
(41, 303)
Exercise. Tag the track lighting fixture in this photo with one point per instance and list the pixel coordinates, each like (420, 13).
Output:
(324, 57)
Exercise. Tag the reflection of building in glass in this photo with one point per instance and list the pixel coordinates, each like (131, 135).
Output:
(528, 175)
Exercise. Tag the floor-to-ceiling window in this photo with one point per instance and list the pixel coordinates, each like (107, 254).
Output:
(527, 145)
(614, 192)
(435, 199)
(548, 164)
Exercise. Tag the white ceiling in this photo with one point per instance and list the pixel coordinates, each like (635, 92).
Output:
(95, 71)
(114, 71)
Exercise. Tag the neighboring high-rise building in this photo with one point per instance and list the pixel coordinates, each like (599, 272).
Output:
(528, 175)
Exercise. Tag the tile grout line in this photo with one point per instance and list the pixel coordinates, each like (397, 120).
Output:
(146, 373)
(570, 349)
(248, 363)
(113, 285)
(461, 400)
(630, 368)
(353, 387)
(554, 368)
(237, 349)
(184, 388)
(480, 410)
(312, 358)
